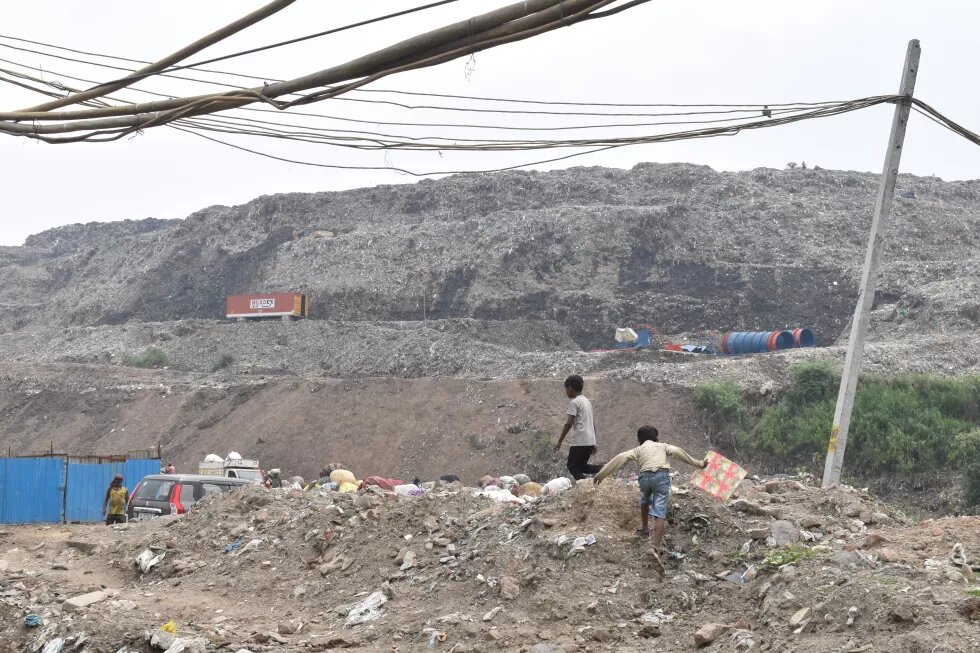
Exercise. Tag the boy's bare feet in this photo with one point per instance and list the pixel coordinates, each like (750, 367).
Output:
(643, 532)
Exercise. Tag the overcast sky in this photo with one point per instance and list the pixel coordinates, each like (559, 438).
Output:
(665, 51)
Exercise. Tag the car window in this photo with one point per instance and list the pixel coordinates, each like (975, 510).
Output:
(213, 488)
(155, 490)
(249, 474)
(186, 494)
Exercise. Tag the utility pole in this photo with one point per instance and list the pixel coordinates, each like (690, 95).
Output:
(869, 276)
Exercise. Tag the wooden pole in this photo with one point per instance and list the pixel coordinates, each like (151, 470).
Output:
(869, 276)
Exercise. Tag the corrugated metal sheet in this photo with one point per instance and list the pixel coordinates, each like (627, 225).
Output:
(87, 483)
(135, 470)
(52, 489)
(32, 490)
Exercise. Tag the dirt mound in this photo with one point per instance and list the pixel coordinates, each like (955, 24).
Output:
(784, 566)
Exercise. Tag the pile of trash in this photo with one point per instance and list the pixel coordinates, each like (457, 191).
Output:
(440, 566)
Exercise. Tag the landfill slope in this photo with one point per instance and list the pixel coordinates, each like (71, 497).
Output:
(783, 566)
(680, 246)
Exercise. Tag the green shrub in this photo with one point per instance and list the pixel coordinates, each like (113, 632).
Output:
(723, 412)
(966, 455)
(912, 425)
(785, 556)
(223, 361)
(152, 357)
(905, 424)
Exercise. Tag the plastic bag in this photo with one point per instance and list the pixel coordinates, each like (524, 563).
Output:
(556, 485)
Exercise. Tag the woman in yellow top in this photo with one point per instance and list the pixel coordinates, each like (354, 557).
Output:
(116, 498)
(651, 457)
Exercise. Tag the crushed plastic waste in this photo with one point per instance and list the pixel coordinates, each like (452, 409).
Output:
(147, 560)
(169, 627)
(234, 546)
(556, 485)
(367, 610)
(54, 645)
(251, 546)
(33, 621)
(503, 496)
(658, 617)
(578, 544)
(408, 490)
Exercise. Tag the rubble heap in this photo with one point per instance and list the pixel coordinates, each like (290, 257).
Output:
(783, 566)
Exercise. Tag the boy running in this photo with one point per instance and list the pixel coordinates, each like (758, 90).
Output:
(651, 458)
(582, 443)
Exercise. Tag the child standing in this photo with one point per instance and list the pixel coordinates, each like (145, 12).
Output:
(582, 444)
(652, 459)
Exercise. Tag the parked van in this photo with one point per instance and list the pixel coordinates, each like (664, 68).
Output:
(175, 494)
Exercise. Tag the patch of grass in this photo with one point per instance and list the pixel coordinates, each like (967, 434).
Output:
(974, 592)
(788, 555)
(912, 425)
(723, 413)
(151, 358)
(224, 360)
(966, 454)
(541, 445)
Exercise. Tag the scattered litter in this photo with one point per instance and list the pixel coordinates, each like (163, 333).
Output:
(147, 561)
(556, 486)
(234, 546)
(658, 617)
(54, 646)
(251, 546)
(743, 640)
(578, 544)
(33, 621)
(367, 610)
(169, 627)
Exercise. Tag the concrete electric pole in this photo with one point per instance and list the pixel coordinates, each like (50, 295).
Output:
(869, 277)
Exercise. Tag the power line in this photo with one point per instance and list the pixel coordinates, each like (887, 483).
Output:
(329, 136)
(509, 127)
(387, 91)
(299, 39)
(712, 109)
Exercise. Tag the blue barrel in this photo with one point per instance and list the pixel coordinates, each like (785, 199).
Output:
(756, 342)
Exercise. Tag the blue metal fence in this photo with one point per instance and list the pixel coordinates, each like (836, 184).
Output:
(56, 488)
(32, 490)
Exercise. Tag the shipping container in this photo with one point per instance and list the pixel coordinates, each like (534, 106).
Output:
(285, 305)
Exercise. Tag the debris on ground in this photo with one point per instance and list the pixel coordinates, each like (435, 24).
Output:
(453, 569)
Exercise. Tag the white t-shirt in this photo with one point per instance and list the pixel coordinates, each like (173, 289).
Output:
(583, 431)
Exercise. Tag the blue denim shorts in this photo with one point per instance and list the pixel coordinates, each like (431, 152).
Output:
(654, 492)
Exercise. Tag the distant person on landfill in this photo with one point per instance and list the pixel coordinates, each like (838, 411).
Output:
(116, 498)
(651, 457)
(582, 444)
(171, 468)
(273, 479)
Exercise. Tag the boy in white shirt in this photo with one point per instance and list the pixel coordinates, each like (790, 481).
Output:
(582, 444)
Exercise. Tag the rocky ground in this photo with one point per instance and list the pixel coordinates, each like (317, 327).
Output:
(452, 348)
(783, 567)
